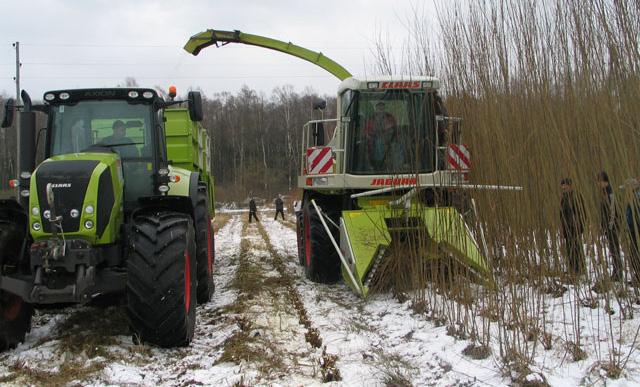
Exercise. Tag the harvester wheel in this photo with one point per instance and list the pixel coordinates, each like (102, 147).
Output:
(321, 259)
(204, 248)
(15, 313)
(161, 279)
(300, 234)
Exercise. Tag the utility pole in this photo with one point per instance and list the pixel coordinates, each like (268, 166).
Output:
(17, 77)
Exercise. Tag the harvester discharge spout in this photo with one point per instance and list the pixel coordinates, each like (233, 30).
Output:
(220, 38)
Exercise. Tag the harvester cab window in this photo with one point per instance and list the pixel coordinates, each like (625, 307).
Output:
(391, 133)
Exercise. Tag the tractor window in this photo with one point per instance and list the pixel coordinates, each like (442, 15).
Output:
(114, 124)
(109, 125)
(392, 133)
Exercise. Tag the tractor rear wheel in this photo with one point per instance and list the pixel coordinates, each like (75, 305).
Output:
(161, 279)
(204, 248)
(321, 259)
(15, 313)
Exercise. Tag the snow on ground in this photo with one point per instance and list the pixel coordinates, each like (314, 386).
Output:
(381, 338)
(378, 339)
(255, 335)
(47, 353)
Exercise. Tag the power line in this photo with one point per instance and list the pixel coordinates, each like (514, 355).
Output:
(180, 77)
(107, 45)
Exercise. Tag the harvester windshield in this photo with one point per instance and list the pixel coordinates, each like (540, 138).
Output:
(393, 132)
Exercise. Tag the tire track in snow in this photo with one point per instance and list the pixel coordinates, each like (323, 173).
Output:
(270, 346)
(378, 340)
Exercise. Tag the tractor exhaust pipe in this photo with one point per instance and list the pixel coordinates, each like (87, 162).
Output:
(26, 153)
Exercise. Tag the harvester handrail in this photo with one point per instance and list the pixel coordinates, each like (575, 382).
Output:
(381, 190)
(335, 245)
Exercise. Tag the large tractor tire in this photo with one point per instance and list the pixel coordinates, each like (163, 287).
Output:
(204, 248)
(322, 263)
(15, 313)
(161, 279)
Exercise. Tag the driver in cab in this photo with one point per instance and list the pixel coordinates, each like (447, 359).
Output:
(379, 131)
(120, 142)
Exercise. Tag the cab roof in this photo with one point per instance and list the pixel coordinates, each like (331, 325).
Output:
(386, 82)
(124, 93)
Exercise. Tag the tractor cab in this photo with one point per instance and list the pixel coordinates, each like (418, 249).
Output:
(121, 122)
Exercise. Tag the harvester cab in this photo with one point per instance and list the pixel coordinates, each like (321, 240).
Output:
(121, 204)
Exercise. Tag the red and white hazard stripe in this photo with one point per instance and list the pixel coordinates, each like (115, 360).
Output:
(458, 157)
(319, 160)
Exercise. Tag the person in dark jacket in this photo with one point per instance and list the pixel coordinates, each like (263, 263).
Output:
(253, 210)
(279, 207)
(609, 223)
(572, 217)
(633, 226)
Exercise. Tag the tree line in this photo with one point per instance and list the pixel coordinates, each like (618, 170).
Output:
(256, 139)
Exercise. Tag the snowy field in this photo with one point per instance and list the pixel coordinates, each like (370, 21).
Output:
(268, 325)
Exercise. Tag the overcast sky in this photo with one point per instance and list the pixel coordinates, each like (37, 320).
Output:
(96, 43)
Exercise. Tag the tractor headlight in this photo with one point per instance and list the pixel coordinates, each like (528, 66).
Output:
(147, 94)
(133, 94)
(46, 214)
(35, 211)
(163, 188)
(49, 97)
(64, 96)
(88, 224)
(36, 226)
(89, 209)
(74, 213)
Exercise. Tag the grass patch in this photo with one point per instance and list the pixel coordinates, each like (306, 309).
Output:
(70, 371)
(90, 330)
(220, 221)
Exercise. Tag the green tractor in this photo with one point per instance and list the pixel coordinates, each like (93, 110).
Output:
(392, 174)
(121, 204)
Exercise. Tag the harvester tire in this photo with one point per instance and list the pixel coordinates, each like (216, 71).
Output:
(161, 279)
(300, 235)
(15, 313)
(204, 248)
(322, 263)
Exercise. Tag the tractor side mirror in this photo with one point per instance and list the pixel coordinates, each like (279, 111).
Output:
(9, 108)
(195, 106)
(320, 104)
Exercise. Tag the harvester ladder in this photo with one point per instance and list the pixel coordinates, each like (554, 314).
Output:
(335, 245)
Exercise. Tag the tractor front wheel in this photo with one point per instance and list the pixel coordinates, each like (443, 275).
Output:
(161, 279)
(15, 313)
(322, 263)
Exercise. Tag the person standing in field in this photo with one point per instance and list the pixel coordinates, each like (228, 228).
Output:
(609, 223)
(633, 226)
(572, 216)
(253, 209)
(279, 207)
